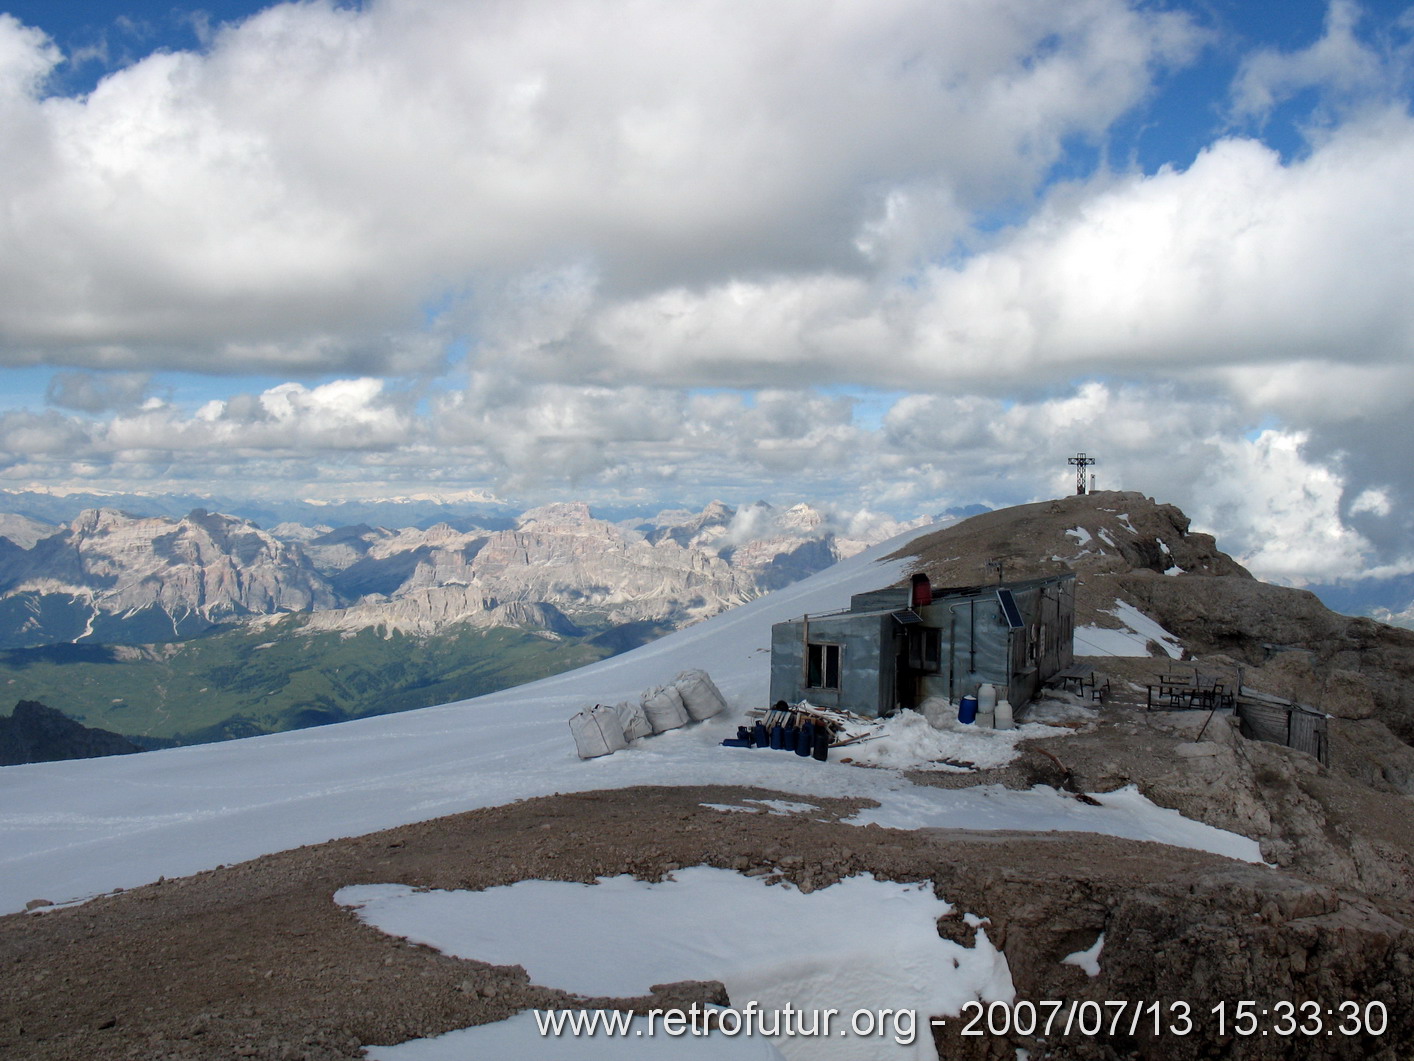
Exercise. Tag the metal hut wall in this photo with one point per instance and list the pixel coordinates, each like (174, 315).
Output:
(895, 647)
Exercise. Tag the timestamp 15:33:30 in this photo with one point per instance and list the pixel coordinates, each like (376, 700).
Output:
(1301, 1018)
(1130, 1017)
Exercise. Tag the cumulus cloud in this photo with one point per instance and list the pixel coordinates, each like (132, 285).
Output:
(289, 421)
(325, 171)
(1346, 68)
(1272, 503)
(94, 393)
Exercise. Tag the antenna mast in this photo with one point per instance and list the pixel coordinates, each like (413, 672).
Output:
(1081, 462)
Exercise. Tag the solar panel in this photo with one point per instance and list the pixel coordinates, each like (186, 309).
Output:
(1009, 609)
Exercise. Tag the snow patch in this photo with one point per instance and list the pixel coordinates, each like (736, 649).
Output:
(1125, 813)
(781, 807)
(1131, 640)
(1088, 959)
(908, 741)
(860, 944)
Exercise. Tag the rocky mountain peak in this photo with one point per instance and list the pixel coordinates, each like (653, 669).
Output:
(24, 531)
(559, 516)
(717, 512)
(1129, 549)
(97, 520)
(126, 577)
(1106, 532)
(802, 517)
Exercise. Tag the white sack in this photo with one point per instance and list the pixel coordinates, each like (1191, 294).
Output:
(664, 708)
(597, 731)
(700, 694)
(633, 719)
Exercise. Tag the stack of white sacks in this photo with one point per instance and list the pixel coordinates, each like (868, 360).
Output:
(690, 697)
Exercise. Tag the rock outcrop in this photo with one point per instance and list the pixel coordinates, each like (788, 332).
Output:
(34, 733)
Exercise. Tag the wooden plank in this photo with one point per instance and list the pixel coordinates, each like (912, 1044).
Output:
(1307, 733)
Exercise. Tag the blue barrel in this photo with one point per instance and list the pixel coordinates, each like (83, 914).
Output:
(967, 710)
(805, 739)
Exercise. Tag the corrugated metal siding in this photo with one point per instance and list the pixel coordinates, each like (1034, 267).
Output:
(865, 671)
(977, 645)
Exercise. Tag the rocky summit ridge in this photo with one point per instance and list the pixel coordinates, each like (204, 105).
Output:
(1126, 548)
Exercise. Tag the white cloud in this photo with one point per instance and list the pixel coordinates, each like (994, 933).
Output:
(1375, 502)
(324, 171)
(1269, 273)
(1283, 510)
(1270, 501)
(1339, 63)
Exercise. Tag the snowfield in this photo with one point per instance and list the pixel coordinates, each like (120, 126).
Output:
(859, 946)
(72, 830)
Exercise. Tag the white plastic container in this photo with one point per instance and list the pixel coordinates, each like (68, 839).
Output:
(1003, 715)
(986, 698)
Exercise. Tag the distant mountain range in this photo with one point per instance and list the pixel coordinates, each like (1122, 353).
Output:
(408, 510)
(207, 625)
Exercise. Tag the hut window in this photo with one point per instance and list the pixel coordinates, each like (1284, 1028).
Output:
(823, 671)
(925, 651)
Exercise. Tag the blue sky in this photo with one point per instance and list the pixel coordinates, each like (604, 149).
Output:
(885, 255)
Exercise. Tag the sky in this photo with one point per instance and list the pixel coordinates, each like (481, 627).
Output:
(882, 255)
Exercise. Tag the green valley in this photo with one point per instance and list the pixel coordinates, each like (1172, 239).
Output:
(271, 676)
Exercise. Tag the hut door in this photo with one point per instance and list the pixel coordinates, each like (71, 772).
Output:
(1307, 733)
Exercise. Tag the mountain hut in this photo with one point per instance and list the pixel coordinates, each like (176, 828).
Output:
(893, 648)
